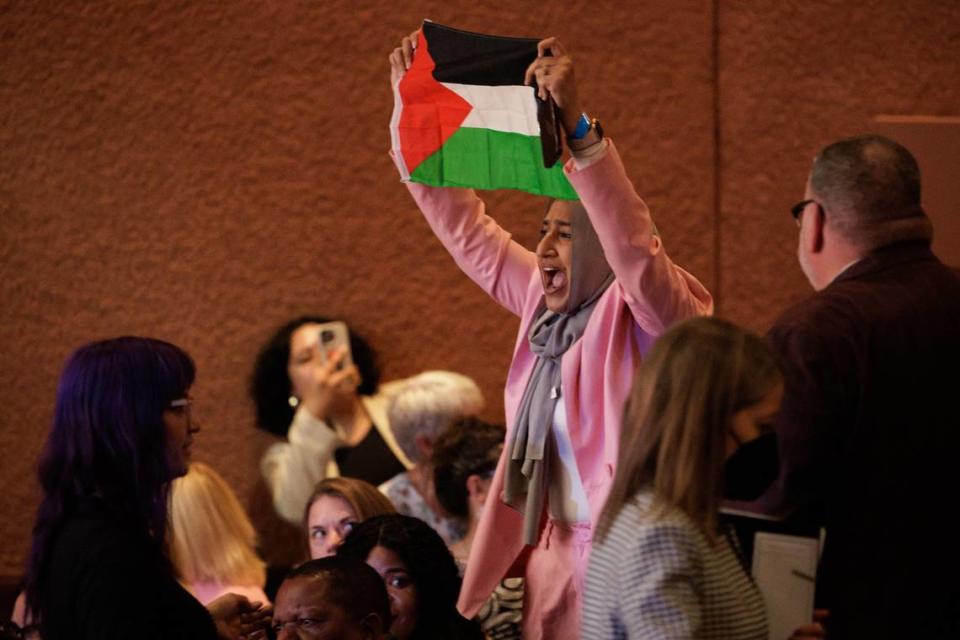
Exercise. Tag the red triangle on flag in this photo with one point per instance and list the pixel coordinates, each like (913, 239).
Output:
(431, 112)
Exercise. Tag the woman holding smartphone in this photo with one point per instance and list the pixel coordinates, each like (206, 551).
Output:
(332, 415)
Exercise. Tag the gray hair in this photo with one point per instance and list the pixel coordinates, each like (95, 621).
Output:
(427, 403)
(869, 186)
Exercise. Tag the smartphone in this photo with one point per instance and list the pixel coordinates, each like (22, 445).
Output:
(332, 335)
(551, 142)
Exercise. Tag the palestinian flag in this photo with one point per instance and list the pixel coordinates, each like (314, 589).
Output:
(463, 117)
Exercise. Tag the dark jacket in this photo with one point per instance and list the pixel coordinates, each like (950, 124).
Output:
(106, 580)
(870, 441)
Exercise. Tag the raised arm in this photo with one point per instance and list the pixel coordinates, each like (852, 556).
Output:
(480, 247)
(291, 469)
(657, 291)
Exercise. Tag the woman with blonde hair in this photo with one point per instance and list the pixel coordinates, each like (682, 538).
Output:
(212, 542)
(336, 507)
(695, 431)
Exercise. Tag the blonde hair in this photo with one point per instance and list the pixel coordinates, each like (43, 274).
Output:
(673, 434)
(364, 498)
(211, 537)
(427, 403)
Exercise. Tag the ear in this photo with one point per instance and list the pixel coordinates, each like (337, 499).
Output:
(477, 488)
(372, 626)
(424, 446)
(815, 228)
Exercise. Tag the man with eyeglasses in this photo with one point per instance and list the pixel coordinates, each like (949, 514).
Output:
(869, 428)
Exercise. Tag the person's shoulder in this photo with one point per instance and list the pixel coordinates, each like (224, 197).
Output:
(96, 525)
(822, 319)
(644, 524)
(833, 301)
(99, 541)
(397, 486)
(648, 539)
(390, 389)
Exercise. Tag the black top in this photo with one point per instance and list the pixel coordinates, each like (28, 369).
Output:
(106, 580)
(371, 460)
(869, 440)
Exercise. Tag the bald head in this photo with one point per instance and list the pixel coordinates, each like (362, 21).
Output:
(869, 187)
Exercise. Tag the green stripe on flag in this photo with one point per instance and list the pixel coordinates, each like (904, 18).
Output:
(488, 159)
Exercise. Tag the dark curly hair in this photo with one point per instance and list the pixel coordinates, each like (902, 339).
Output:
(430, 565)
(468, 447)
(270, 385)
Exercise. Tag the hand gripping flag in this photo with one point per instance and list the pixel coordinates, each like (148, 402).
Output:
(462, 116)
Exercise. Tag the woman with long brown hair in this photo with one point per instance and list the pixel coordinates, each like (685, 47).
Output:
(694, 432)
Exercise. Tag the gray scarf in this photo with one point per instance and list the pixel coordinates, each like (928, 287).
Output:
(551, 334)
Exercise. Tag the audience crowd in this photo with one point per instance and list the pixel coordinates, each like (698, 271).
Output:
(597, 512)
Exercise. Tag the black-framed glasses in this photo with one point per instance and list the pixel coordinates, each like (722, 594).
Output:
(798, 208)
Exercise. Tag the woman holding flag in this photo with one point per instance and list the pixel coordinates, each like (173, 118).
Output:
(592, 298)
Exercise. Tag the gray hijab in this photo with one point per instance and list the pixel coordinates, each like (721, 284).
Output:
(551, 334)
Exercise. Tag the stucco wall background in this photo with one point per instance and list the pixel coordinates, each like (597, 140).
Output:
(201, 172)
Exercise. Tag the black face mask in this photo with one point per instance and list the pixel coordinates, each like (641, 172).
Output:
(752, 468)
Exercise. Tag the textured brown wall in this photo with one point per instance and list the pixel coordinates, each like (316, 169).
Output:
(795, 76)
(203, 171)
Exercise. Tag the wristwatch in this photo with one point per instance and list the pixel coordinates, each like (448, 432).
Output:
(583, 126)
(590, 137)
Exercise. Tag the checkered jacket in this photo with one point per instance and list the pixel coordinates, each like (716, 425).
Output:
(663, 579)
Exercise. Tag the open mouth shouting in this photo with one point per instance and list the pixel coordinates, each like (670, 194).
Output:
(554, 279)
(555, 286)
(554, 256)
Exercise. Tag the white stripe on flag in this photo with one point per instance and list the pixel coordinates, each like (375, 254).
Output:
(395, 133)
(511, 108)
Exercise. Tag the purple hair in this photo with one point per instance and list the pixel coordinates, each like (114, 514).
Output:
(108, 440)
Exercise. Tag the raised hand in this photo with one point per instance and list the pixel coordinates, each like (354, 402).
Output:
(402, 57)
(554, 74)
(327, 385)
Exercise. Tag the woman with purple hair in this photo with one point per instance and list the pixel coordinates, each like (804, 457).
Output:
(98, 567)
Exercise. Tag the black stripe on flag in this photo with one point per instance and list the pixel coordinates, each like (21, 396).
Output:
(473, 58)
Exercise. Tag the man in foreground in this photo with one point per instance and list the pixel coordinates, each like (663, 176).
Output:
(868, 428)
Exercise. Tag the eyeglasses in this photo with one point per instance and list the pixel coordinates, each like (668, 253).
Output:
(182, 405)
(798, 208)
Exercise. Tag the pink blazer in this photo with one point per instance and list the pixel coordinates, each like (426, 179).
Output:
(649, 294)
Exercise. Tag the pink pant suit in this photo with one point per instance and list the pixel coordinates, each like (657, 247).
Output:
(649, 294)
